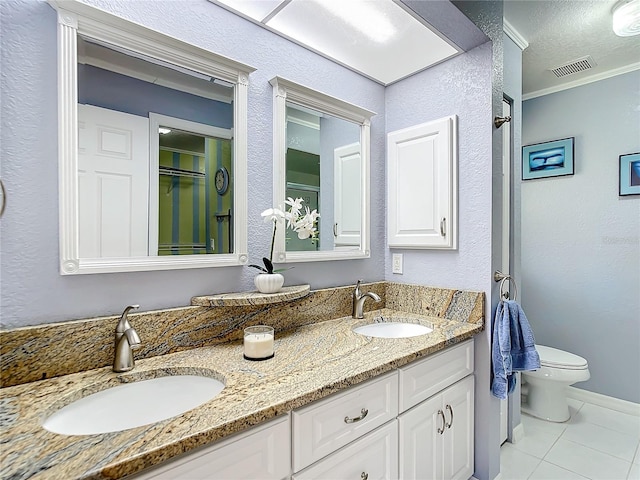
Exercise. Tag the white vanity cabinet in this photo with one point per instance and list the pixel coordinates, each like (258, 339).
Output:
(415, 422)
(436, 434)
(262, 452)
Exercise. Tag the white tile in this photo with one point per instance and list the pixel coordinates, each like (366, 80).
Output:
(549, 471)
(516, 465)
(534, 424)
(634, 473)
(539, 436)
(600, 438)
(587, 461)
(621, 422)
(574, 405)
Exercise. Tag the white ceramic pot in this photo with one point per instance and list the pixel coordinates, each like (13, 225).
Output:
(269, 282)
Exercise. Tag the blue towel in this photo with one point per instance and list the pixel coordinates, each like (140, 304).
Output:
(513, 347)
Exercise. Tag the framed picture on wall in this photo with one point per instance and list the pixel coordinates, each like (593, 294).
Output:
(548, 159)
(629, 174)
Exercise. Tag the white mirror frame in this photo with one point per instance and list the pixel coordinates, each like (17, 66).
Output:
(75, 17)
(284, 90)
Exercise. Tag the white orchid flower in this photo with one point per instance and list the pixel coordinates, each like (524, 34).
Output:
(273, 215)
(296, 205)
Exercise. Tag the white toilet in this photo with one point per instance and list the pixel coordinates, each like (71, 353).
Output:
(545, 388)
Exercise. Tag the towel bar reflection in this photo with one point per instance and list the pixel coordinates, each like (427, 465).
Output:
(498, 276)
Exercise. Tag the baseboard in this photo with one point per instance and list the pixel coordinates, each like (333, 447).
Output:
(624, 406)
(517, 433)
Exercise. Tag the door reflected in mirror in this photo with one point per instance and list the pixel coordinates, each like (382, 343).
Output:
(155, 157)
(323, 168)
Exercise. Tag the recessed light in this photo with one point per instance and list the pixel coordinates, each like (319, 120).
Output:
(163, 130)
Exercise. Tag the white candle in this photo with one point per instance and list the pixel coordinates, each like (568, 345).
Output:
(258, 342)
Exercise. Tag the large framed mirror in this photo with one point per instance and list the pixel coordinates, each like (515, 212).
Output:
(152, 148)
(321, 154)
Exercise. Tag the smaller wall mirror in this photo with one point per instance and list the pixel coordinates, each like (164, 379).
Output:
(152, 148)
(321, 154)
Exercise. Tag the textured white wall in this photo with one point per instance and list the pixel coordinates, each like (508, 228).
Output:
(580, 240)
(32, 290)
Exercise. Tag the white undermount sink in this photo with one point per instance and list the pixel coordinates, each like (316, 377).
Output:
(133, 404)
(393, 329)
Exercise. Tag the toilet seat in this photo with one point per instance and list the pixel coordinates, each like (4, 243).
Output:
(554, 358)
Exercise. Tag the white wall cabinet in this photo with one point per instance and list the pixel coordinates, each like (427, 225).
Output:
(422, 185)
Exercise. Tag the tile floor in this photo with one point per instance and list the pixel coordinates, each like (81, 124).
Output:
(596, 443)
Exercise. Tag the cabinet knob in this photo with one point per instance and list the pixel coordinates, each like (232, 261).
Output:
(363, 413)
(450, 413)
(444, 422)
(364, 476)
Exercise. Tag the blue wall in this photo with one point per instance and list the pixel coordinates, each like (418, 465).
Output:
(111, 90)
(580, 240)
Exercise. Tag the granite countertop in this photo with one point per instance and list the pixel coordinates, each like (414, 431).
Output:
(311, 362)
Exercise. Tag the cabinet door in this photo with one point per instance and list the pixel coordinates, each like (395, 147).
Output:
(422, 184)
(372, 457)
(263, 452)
(458, 437)
(420, 441)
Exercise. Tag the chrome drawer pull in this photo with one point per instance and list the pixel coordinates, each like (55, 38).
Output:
(450, 412)
(364, 476)
(444, 422)
(363, 413)
(443, 227)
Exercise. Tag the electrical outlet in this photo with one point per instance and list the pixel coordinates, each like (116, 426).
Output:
(397, 263)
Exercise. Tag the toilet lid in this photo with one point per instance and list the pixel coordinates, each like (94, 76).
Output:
(552, 357)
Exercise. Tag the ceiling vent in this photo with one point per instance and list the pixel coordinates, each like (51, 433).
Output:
(574, 66)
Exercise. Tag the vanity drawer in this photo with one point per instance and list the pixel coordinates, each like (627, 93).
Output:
(424, 378)
(261, 452)
(374, 456)
(329, 424)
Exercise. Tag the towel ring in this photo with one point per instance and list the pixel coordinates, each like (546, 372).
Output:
(498, 276)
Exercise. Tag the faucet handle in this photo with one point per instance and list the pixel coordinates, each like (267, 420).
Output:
(123, 324)
(356, 291)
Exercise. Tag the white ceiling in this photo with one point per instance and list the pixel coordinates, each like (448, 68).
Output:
(379, 39)
(560, 31)
(555, 32)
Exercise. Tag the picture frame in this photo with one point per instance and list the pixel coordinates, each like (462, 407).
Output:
(548, 159)
(629, 174)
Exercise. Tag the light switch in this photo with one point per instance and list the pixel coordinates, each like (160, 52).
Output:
(397, 263)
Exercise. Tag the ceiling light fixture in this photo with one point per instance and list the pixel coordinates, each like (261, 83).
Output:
(367, 17)
(163, 130)
(626, 18)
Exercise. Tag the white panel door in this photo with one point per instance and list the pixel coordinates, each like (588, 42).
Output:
(113, 183)
(420, 441)
(422, 182)
(458, 437)
(347, 192)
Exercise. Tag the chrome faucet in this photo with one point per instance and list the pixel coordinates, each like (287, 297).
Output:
(127, 340)
(359, 299)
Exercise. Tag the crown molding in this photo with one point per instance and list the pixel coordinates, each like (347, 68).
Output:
(583, 81)
(514, 35)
